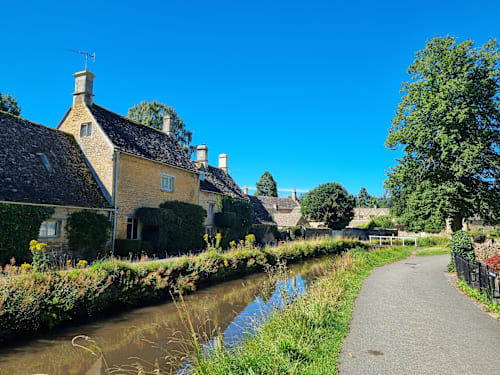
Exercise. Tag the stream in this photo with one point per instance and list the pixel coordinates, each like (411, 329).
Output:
(158, 335)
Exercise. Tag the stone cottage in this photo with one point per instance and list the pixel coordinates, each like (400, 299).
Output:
(136, 165)
(215, 182)
(42, 166)
(285, 212)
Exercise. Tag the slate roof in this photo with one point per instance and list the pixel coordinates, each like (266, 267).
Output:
(217, 181)
(260, 215)
(289, 219)
(282, 203)
(68, 181)
(141, 140)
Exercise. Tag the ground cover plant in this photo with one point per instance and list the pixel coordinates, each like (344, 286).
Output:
(304, 337)
(435, 250)
(31, 300)
(479, 296)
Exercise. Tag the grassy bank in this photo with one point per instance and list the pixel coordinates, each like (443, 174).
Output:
(31, 301)
(306, 336)
(435, 250)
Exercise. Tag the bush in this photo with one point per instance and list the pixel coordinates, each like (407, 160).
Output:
(478, 236)
(461, 244)
(242, 211)
(493, 262)
(295, 232)
(174, 226)
(88, 234)
(19, 225)
(264, 232)
(125, 248)
(381, 222)
(225, 219)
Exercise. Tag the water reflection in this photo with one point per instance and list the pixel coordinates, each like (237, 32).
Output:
(149, 333)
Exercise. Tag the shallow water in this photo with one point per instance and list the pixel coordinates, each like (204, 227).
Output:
(158, 334)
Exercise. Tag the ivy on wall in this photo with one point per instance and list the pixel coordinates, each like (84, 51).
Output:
(88, 234)
(242, 219)
(19, 225)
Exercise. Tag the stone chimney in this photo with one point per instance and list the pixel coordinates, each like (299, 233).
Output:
(223, 162)
(202, 154)
(245, 189)
(294, 194)
(168, 124)
(84, 85)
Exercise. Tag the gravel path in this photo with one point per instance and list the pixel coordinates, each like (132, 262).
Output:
(408, 319)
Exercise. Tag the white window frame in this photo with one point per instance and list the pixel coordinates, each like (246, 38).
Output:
(167, 182)
(134, 222)
(86, 129)
(56, 232)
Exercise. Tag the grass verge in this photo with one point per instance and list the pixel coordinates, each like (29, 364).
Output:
(306, 336)
(479, 296)
(436, 250)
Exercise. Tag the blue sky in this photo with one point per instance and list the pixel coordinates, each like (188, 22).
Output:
(306, 90)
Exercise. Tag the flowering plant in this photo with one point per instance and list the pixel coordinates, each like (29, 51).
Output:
(40, 256)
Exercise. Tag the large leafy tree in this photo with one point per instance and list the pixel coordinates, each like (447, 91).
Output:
(330, 203)
(9, 104)
(152, 114)
(266, 185)
(447, 125)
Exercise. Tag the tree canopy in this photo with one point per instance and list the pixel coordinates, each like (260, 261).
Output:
(363, 198)
(9, 104)
(266, 185)
(447, 125)
(330, 203)
(152, 113)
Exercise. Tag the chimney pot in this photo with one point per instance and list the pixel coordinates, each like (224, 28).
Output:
(168, 124)
(223, 162)
(84, 86)
(294, 194)
(202, 154)
(246, 189)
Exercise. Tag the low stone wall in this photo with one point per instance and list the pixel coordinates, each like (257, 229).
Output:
(364, 234)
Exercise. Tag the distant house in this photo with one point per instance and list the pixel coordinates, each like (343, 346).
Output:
(363, 215)
(43, 166)
(136, 165)
(215, 182)
(284, 212)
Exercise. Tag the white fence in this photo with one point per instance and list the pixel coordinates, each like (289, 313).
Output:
(392, 238)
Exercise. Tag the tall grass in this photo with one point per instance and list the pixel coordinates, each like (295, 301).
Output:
(305, 337)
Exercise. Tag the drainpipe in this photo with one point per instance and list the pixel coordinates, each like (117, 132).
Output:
(115, 197)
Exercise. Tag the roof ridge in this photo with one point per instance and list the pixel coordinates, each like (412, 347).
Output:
(132, 121)
(32, 122)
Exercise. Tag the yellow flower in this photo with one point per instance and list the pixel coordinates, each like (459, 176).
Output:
(40, 246)
(25, 267)
(226, 263)
(82, 263)
(33, 242)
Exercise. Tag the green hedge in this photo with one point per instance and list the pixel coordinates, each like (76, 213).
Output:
(134, 248)
(33, 301)
(461, 243)
(88, 234)
(225, 219)
(174, 226)
(19, 225)
(242, 211)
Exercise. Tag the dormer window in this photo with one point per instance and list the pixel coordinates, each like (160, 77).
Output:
(45, 161)
(86, 130)
(167, 182)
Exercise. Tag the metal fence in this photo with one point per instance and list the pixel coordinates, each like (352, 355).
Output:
(478, 276)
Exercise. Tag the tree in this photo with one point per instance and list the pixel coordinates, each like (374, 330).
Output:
(267, 186)
(330, 203)
(9, 104)
(152, 113)
(362, 198)
(447, 125)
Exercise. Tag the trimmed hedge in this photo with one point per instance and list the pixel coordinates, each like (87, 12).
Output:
(125, 248)
(461, 243)
(225, 219)
(88, 234)
(32, 301)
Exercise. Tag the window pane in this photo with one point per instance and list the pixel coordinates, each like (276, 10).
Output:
(89, 130)
(83, 131)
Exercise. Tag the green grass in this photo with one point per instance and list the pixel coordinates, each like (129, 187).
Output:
(306, 336)
(479, 296)
(436, 250)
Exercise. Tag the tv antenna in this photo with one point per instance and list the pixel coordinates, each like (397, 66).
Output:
(86, 54)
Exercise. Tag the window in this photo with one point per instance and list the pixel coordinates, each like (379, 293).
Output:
(211, 208)
(167, 182)
(86, 130)
(45, 161)
(50, 229)
(132, 224)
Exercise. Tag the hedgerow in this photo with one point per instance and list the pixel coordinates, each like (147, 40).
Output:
(31, 301)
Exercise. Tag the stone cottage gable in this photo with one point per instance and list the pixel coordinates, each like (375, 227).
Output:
(140, 140)
(44, 165)
(285, 212)
(260, 215)
(215, 180)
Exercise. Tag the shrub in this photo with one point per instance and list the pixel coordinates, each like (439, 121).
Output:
(433, 241)
(174, 226)
(461, 244)
(224, 219)
(493, 262)
(242, 211)
(264, 232)
(382, 222)
(19, 225)
(125, 248)
(88, 234)
(295, 232)
(478, 236)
